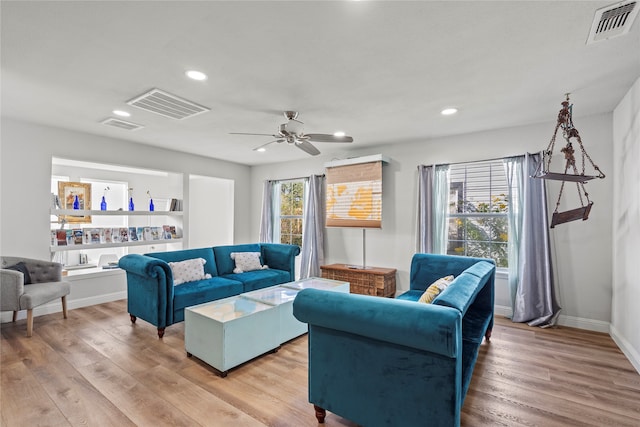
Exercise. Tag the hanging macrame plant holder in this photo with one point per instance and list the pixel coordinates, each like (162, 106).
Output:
(571, 173)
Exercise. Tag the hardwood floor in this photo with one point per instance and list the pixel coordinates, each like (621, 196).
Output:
(97, 369)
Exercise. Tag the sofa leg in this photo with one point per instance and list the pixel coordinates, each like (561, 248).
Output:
(133, 318)
(15, 316)
(160, 332)
(487, 335)
(320, 413)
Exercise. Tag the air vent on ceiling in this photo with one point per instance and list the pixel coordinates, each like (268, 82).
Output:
(165, 104)
(122, 124)
(613, 21)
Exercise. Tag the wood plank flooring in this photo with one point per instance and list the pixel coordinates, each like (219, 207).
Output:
(97, 369)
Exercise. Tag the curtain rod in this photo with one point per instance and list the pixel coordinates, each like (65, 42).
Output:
(294, 178)
(476, 161)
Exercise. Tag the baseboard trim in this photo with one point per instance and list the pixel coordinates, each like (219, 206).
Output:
(569, 321)
(56, 306)
(632, 355)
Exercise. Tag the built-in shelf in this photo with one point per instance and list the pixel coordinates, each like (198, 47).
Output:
(63, 248)
(77, 212)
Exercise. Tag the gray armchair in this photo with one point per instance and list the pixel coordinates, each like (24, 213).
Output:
(27, 283)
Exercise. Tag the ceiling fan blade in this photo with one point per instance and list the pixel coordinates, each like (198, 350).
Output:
(321, 137)
(260, 134)
(307, 147)
(270, 142)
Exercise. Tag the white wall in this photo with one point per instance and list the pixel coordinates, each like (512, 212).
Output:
(583, 261)
(626, 225)
(210, 211)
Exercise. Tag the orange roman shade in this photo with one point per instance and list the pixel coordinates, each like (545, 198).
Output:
(354, 195)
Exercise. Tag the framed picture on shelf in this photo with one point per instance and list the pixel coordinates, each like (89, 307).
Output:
(67, 193)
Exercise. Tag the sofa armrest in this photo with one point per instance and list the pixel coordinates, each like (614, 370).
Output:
(425, 327)
(147, 266)
(11, 287)
(280, 257)
(149, 288)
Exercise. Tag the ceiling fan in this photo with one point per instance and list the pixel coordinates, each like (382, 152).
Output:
(291, 133)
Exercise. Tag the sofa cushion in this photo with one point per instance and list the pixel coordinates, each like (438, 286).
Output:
(182, 255)
(193, 293)
(259, 279)
(247, 261)
(224, 263)
(189, 270)
(435, 289)
(22, 268)
(411, 295)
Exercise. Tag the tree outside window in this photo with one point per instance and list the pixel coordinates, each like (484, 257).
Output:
(478, 212)
(291, 204)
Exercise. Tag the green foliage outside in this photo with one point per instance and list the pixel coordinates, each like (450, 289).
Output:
(291, 205)
(480, 236)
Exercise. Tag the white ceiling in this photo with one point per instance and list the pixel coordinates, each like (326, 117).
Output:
(381, 71)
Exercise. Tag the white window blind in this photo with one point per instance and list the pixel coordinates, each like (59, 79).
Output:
(354, 195)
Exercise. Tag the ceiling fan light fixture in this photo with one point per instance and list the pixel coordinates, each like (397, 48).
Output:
(196, 75)
(449, 111)
(121, 113)
(339, 134)
(261, 149)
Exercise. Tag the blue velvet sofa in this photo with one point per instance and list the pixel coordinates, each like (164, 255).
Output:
(399, 362)
(153, 297)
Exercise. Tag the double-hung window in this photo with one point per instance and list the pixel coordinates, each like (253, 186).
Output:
(288, 208)
(478, 223)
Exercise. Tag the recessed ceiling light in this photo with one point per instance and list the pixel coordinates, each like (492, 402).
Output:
(196, 75)
(261, 149)
(339, 133)
(121, 113)
(448, 111)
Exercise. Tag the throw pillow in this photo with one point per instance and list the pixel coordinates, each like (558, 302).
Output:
(247, 261)
(22, 268)
(435, 289)
(188, 270)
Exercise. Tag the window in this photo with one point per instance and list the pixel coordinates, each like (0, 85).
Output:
(478, 224)
(288, 206)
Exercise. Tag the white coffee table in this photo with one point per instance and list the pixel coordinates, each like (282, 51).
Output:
(318, 283)
(228, 332)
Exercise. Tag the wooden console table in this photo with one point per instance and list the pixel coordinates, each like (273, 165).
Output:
(368, 281)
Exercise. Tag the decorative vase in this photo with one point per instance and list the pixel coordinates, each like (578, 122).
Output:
(151, 207)
(76, 203)
(130, 203)
(103, 204)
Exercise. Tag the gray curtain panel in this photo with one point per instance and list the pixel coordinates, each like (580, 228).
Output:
(433, 196)
(534, 297)
(425, 209)
(313, 228)
(266, 220)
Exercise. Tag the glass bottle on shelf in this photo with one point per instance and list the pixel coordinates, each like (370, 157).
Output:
(103, 204)
(76, 203)
(131, 203)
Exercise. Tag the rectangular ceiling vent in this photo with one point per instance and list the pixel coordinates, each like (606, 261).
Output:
(613, 21)
(122, 124)
(165, 104)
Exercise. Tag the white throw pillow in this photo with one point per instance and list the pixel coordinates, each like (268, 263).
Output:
(189, 270)
(247, 261)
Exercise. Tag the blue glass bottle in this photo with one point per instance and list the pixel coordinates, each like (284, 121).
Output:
(103, 204)
(151, 206)
(76, 203)
(130, 203)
